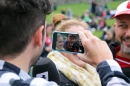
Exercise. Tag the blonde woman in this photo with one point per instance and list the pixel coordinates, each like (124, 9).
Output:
(73, 71)
(59, 42)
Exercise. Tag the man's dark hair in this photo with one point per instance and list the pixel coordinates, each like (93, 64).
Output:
(19, 20)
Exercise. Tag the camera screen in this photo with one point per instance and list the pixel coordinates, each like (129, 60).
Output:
(67, 42)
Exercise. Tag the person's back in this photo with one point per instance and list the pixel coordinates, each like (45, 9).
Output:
(10, 75)
(21, 40)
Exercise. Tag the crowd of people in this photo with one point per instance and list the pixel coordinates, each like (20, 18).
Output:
(108, 33)
(95, 17)
(22, 42)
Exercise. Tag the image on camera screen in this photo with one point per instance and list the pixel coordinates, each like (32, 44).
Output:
(67, 42)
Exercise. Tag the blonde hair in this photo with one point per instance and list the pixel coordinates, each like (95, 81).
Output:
(64, 23)
(57, 19)
(59, 35)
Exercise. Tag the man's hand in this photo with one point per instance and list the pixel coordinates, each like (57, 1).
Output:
(96, 50)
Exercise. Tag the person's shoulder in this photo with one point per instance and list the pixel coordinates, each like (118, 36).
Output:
(112, 47)
(28, 82)
(41, 82)
(113, 44)
(6, 78)
(8, 75)
(12, 79)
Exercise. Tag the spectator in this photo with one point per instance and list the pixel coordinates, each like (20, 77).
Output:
(63, 11)
(87, 18)
(105, 6)
(110, 36)
(93, 6)
(108, 15)
(54, 6)
(68, 43)
(121, 48)
(59, 42)
(102, 23)
(108, 69)
(70, 13)
(93, 25)
(103, 37)
(47, 45)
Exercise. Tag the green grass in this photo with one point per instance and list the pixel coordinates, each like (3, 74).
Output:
(110, 22)
(80, 8)
(98, 33)
(114, 4)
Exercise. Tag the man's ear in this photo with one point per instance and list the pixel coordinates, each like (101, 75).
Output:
(38, 36)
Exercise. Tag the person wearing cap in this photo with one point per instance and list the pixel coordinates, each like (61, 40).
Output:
(121, 48)
(77, 46)
(71, 43)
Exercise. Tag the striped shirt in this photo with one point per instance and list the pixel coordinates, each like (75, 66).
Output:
(122, 61)
(111, 74)
(109, 71)
(10, 75)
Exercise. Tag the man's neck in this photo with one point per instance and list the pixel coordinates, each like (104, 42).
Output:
(122, 54)
(20, 63)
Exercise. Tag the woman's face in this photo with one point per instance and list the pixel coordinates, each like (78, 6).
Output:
(60, 43)
(74, 57)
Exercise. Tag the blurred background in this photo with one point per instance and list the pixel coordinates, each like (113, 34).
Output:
(97, 13)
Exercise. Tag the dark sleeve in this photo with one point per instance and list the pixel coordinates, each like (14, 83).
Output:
(112, 47)
(111, 74)
(75, 47)
(64, 81)
(44, 52)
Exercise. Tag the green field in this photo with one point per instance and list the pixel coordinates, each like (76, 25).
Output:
(78, 10)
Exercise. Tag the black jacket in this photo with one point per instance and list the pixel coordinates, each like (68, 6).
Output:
(112, 46)
(64, 81)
